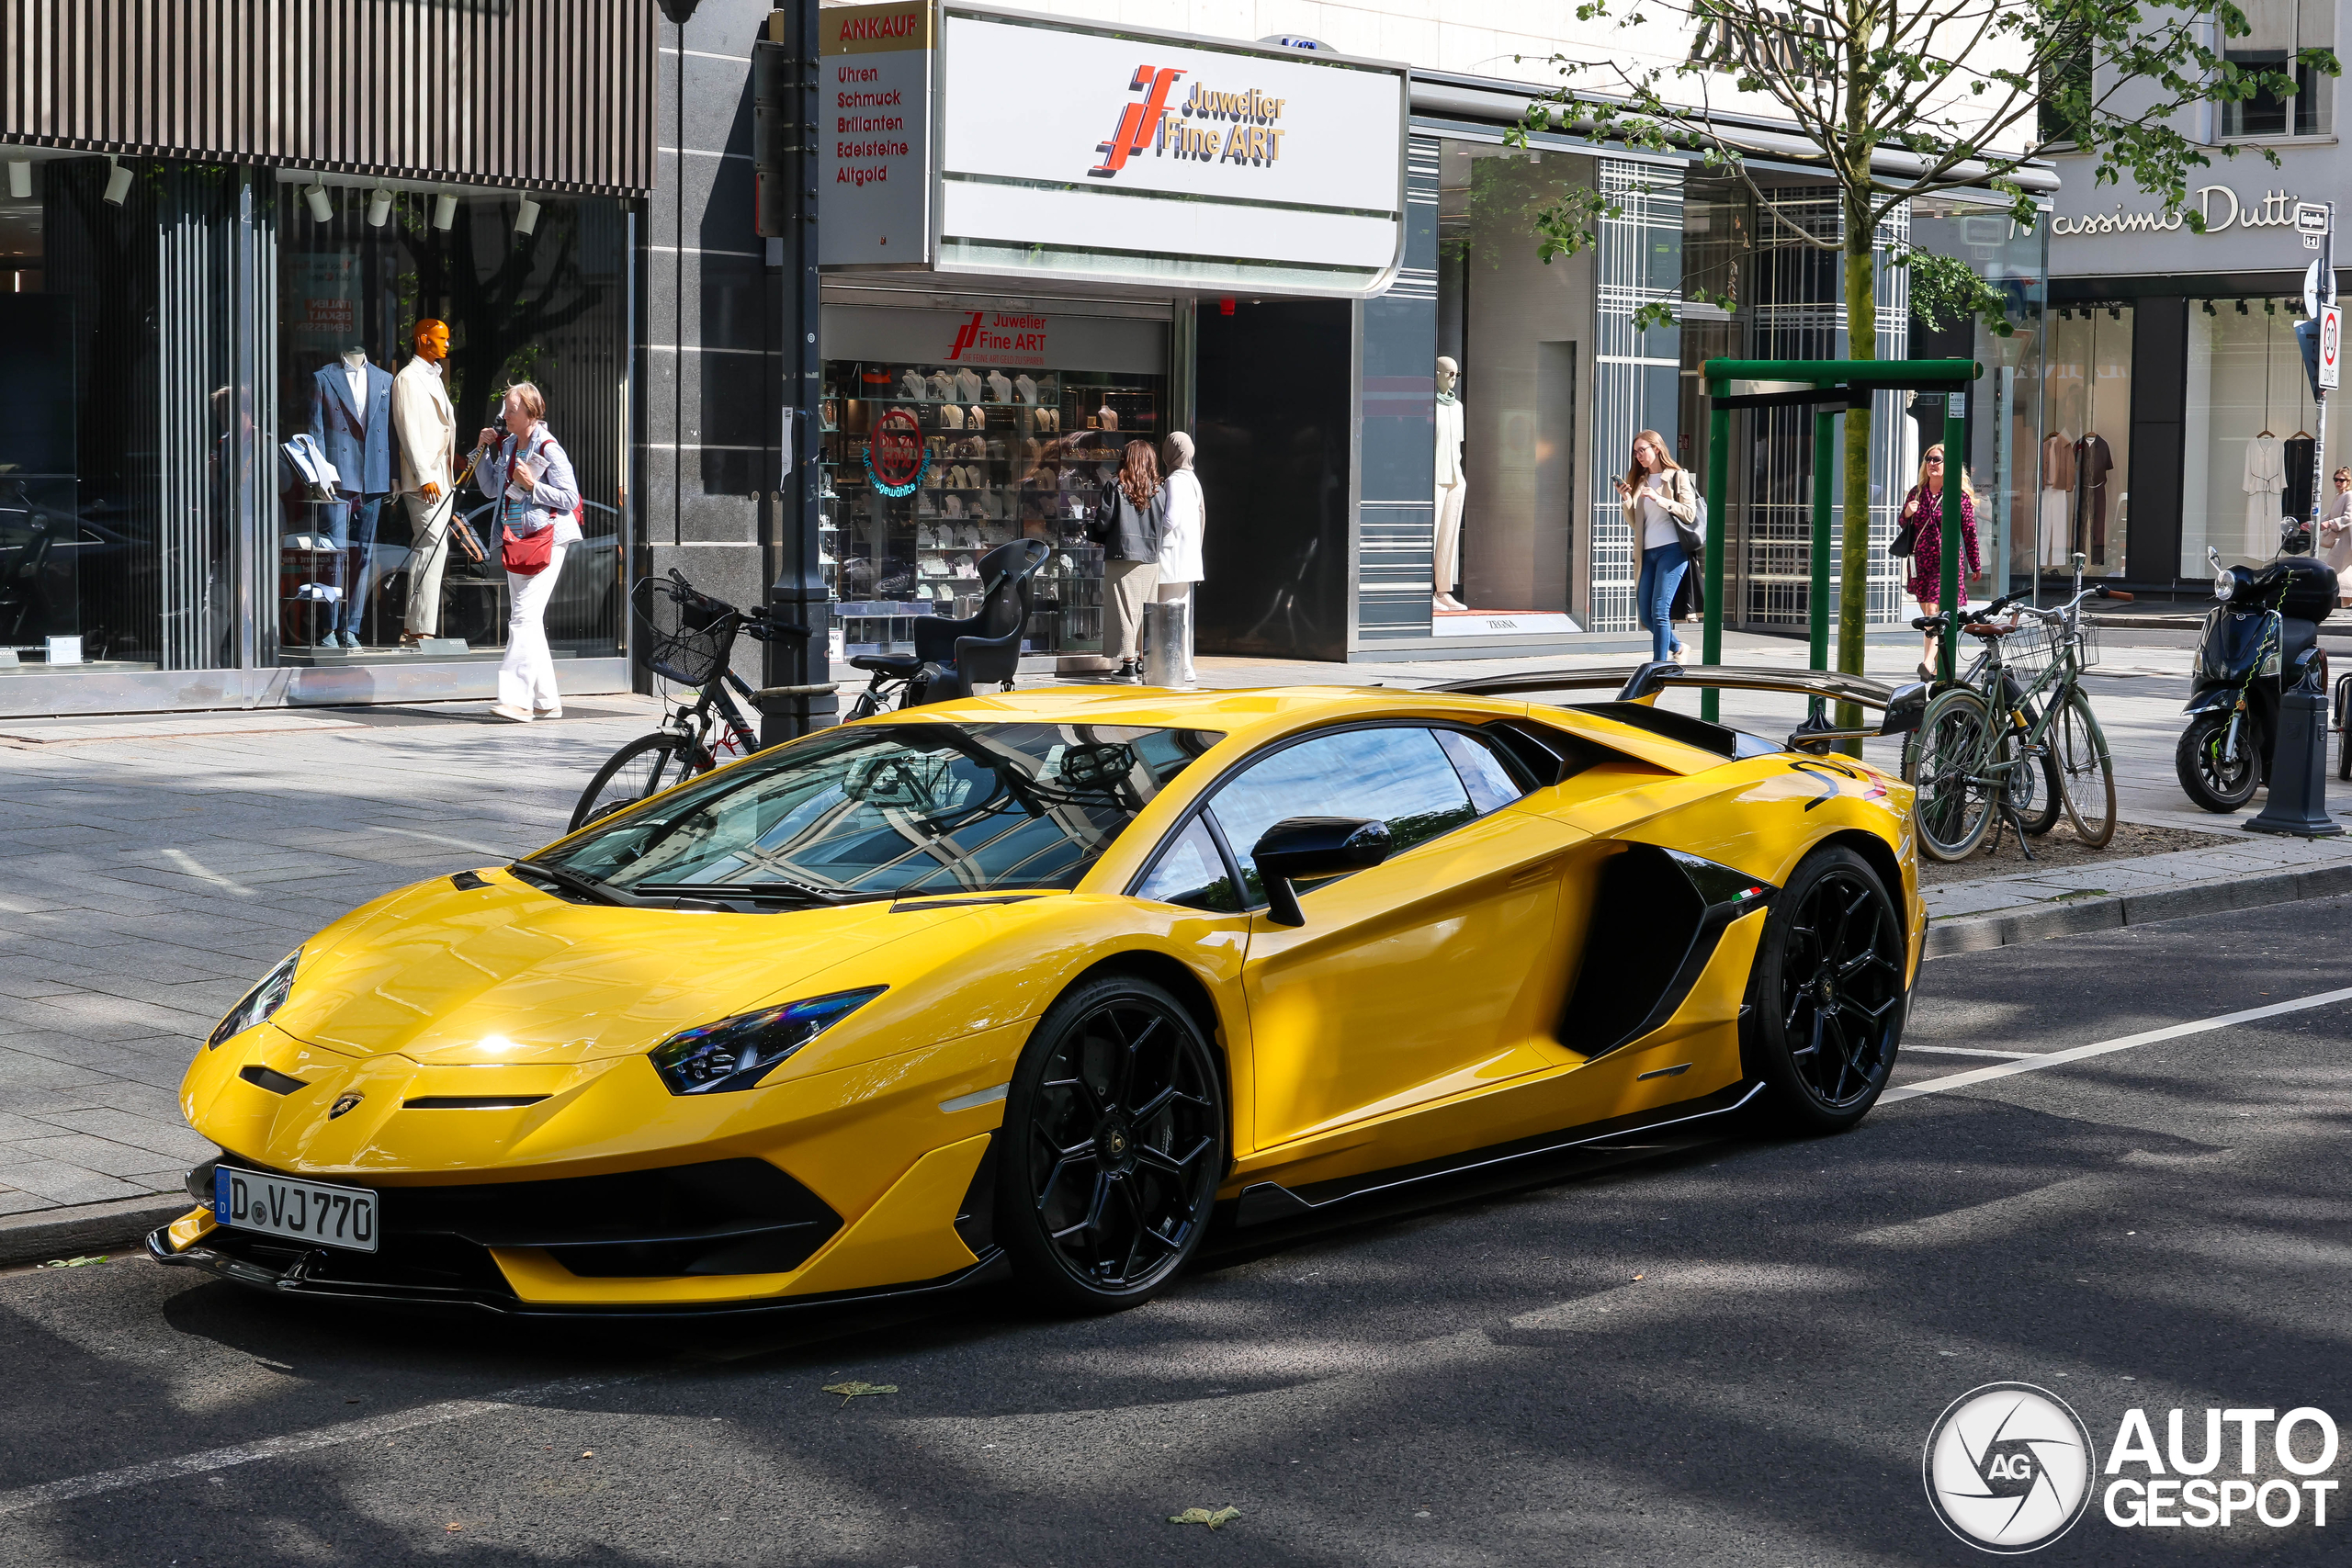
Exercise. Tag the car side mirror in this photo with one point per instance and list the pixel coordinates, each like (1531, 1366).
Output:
(1303, 848)
(1906, 709)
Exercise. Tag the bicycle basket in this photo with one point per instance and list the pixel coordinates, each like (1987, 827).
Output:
(2086, 648)
(688, 635)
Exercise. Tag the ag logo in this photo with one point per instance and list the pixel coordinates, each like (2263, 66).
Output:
(2009, 1467)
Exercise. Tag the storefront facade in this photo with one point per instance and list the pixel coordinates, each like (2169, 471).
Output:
(1018, 316)
(2180, 416)
(204, 258)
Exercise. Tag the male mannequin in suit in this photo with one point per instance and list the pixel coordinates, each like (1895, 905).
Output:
(428, 428)
(351, 419)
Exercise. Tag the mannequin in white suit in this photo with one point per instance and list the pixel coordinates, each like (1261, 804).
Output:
(428, 428)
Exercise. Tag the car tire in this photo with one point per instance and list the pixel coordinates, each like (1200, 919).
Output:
(1833, 936)
(1113, 1147)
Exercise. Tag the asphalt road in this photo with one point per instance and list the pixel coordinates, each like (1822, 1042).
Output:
(1726, 1352)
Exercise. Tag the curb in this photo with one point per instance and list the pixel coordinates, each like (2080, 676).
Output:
(2042, 921)
(86, 1228)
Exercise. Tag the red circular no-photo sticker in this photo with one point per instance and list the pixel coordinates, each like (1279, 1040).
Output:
(897, 450)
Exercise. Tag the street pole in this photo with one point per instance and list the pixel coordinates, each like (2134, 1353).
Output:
(1951, 529)
(785, 71)
(1824, 460)
(2319, 394)
(1711, 633)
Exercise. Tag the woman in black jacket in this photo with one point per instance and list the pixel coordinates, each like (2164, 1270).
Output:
(1128, 524)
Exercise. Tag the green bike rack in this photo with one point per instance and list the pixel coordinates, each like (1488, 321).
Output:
(1850, 382)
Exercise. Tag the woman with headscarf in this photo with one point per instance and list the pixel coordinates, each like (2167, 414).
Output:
(1128, 523)
(1180, 547)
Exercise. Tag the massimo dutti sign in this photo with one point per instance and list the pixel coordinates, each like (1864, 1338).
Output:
(2110, 232)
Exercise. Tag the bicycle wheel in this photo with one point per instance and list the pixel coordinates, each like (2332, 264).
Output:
(646, 766)
(2086, 772)
(2033, 786)
(1946, 762)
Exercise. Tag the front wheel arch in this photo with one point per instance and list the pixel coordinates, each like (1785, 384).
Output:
(1179, 981)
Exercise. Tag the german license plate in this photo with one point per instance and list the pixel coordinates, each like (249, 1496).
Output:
(297, 1211)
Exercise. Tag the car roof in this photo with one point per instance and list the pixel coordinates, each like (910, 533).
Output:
(1254, 714)
(1240, 714)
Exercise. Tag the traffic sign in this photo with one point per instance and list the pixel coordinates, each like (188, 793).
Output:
(2331, 346)
(2311, 218)
(2311, 292)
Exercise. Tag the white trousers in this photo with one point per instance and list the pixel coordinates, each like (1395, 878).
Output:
(1446, 560)
(2056, 538)
(428, 544)
(1182, 594)
(526, 677)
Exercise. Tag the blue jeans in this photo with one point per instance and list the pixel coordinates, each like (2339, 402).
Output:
(356, 534)
(1662, 570)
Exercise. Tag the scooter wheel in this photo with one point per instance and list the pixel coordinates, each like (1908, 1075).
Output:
(2211, 781)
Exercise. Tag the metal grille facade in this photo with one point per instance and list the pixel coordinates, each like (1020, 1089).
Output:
(551, 93)
(1635, 374)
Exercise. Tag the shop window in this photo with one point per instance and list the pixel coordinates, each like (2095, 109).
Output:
(2280, 29)
(1520, 331)
(2085, 501)
(123, 438)
(544, 306)
(2248, 418)
(929, 465)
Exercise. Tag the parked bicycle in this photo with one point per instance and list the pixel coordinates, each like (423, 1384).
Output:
(952, 658)
(2014, 739)
(690, 639)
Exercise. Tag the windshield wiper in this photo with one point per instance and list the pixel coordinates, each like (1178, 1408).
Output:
(586, 886)
(775, 888)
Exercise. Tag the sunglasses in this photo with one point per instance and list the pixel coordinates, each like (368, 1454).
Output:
(1935, 462)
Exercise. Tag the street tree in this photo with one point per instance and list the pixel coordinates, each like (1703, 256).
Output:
(1901, 100)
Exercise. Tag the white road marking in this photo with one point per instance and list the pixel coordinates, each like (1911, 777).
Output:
(2102, 1048)
(190, 864)
(465, 844)
(1969, 1051)
(336, 1436)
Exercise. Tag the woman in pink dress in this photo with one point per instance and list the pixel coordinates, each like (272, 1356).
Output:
(1925, 506)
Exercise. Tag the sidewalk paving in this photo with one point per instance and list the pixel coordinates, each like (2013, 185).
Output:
(155, 866)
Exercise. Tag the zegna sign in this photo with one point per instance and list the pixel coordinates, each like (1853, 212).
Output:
(2221, 207)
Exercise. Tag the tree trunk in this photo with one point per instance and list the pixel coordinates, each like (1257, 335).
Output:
(1861, 337)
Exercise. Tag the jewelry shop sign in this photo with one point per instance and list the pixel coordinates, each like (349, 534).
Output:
(1060, 149)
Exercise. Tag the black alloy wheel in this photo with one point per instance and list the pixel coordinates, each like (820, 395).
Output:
(1827, 993)
(2209, 778)
(1112, 1147)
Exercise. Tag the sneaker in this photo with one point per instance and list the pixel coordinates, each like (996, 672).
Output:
(520, 715)
(1681, 656)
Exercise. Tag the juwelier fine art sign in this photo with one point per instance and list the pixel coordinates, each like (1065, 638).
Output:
(1066, 151)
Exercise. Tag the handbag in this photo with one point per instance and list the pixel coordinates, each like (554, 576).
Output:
(1691, 536)
(1906, 543)
(526, 555)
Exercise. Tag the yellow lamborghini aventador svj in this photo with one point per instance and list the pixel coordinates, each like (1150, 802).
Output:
(1047, 984)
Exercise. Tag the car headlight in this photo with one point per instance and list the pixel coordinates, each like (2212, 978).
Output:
(260, 1002)
(737, 1052)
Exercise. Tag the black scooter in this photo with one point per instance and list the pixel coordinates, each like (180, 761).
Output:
(2260, 642)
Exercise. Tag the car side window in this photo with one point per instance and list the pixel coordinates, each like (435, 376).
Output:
(1397, 774)
(1492, 785)
(1192, 873)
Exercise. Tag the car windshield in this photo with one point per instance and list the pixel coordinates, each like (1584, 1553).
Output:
(884, 810)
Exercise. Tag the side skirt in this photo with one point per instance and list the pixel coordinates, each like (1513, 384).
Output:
(1267, 1202)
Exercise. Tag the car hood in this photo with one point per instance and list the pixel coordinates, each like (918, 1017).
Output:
(506, 972)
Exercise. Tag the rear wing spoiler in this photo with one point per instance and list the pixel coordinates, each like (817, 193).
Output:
(1902, 707)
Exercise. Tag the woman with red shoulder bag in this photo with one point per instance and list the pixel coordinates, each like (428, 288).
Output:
(539, 520)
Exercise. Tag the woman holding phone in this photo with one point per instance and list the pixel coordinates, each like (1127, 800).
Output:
(531, 475)
(1657, 493)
